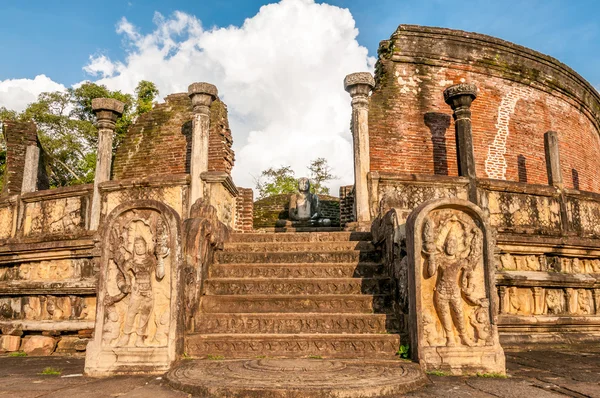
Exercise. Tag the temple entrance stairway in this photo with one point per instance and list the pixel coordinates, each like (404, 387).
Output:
(296, 295)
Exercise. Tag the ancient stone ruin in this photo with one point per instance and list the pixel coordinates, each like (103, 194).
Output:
(473, 224)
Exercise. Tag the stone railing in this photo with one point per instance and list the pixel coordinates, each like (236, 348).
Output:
(547, 252)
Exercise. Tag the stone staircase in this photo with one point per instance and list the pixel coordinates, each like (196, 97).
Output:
(295, 295)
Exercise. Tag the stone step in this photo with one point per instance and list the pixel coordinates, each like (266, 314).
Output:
(301, 237)
(299, 270)
(229, 346)
(355, 256)
(296, 323)
(336, 303)
(273, 247)
(298, 286)
(299, 229)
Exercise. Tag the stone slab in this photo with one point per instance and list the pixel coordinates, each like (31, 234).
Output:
(267, 378)
(315, 270)
(338, 303)
(291, 237)
(350, 346)
(354, 256)
(300, 286)
(296, 323)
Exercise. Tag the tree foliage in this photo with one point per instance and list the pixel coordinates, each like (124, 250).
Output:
(320, 173)
(275, 181)
(65, 122)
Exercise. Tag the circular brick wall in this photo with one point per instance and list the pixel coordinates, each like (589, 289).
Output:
(522, 95)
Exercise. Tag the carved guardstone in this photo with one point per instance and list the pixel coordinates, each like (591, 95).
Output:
(453, 306)
(139, 311)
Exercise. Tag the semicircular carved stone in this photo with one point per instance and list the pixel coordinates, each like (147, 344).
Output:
(453, 306)
(138, 289)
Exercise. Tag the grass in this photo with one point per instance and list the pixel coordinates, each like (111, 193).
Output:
(491, 375)
(438, 373)
(404, 351)
(314, 357)
(50, 371)
(215, 357)
(185, 356)
(17, 354)
(261, 356)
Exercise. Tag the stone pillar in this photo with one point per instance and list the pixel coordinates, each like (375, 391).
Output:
(359, 85)
(30, 171)
(107, 112)
(501, 295)
(553, 159)
(460, 97)
(202, 96)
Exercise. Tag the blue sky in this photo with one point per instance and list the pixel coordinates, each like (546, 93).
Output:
(278, 67)
(56, 38)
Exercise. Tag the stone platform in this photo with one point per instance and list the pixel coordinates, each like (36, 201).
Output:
(296, 378)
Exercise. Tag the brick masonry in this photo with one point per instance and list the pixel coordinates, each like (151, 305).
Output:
(346, 204)
(19, 135)
(244, 210)
(160, 141)
(522, 94)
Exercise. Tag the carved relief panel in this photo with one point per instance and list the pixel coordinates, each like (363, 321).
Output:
(453, 306)
(137, 289)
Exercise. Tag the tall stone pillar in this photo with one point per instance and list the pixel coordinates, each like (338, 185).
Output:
(359, 85)
(553, 159)
(107, 112)
(460, 97)
(30, 171)
(202, 95)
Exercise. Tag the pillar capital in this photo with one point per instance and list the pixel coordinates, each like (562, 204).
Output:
(359, 85)
(460, 95)
(202, 95)
(107, 111)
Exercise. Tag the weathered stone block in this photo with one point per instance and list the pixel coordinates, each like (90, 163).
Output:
(10, 343)
(38, 345)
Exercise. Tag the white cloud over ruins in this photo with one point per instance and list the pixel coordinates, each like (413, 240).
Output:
(280, 74)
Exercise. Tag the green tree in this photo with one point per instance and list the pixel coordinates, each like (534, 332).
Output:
(320, 173)
(276, 181)
(145, 93)
(282, 180)
(66, 129)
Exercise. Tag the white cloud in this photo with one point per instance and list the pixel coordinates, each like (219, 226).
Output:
(16, 94)
(280, 74)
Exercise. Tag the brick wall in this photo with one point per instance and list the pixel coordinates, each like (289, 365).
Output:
(160, 141)
(18, 136)
(244, 210)
(522, 94)
(346, 204)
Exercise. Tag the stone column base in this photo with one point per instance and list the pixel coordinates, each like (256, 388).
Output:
(462, 360)
(100, 362)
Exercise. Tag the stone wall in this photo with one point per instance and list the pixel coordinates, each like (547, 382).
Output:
(522, 94)
(244, 210)
(268, 210)
(160, 141)
(547, 252)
